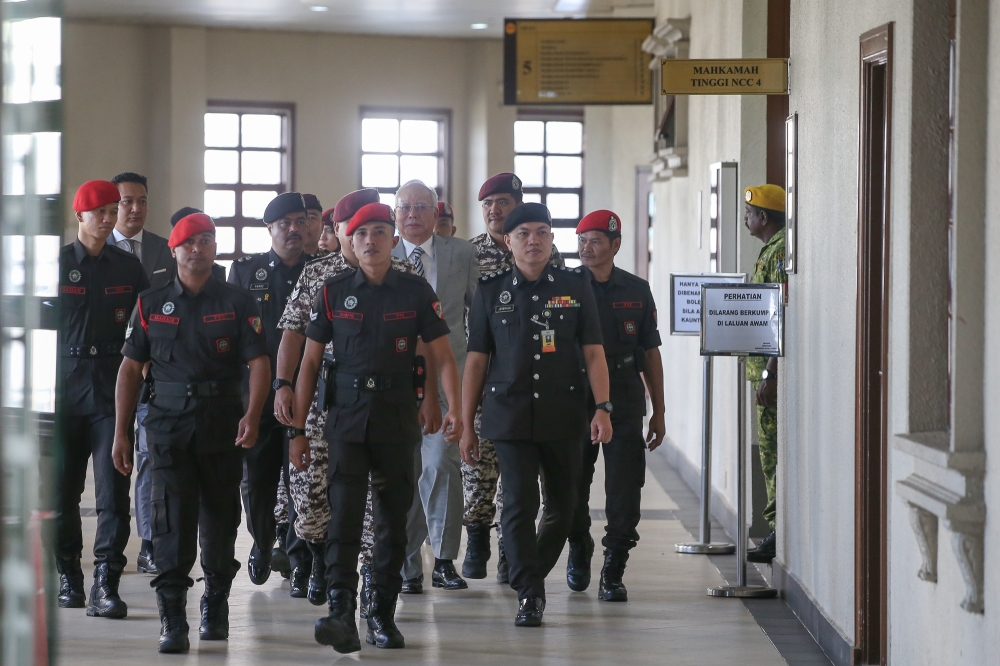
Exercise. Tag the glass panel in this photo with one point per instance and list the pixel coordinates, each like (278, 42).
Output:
(15, 149)
(44, 348)
(564, 206)
(529, 136)
(225, 263)
(564, 171)
(379, 171)
(34, 56)
(530, 169)
(418, 136)
(562, 137)
(564, 239)
(225, 238)
(412, 167)
(380, 135)
(261, 168)
(254, 204)
(532, 197)
(222, 130)
(48, 151)
(13, 368)
(222, 166)
(47, 265)
(256, 239)
(388, 198)
(261, 131)
(13, 265)
(220, 203)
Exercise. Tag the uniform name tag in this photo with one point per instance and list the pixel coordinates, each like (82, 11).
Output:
(396, 316)
(124, 289)
(73, 290)
(629, 305)
(347, 314)
(548, 340)
(222, 316)
(258, 286)
(503, 308)
(164, 319)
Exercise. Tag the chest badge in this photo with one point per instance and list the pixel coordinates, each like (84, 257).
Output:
(548, 340)
(630, 327)
(168, 308)
(74, 276)
(261, 274)
(351, 302)
(505, 297)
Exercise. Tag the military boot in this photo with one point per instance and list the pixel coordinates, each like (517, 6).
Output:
(339, 629)
(298, 583)
(765, 550)
(317, 577)
(477, 551)
(71, 592)
(503, 575)
(612, 588)
(366, 589)
(581, 550)
(215, 611)
(171, 600)
(382, 630)
(279, 556)
(104, 599)
(259, 565)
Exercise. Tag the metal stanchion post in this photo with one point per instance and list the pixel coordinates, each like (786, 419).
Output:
(741, 589)
(705, 546)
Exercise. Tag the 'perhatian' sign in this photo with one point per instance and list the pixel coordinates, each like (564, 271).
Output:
(685, 298)
(745, 319)
(765, 76)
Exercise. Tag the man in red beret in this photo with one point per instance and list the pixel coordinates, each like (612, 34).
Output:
(445, 225)
(98, 287)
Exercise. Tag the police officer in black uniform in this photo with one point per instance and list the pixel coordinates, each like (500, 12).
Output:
(528, 327)
(98, 287)
(631, 346)
(270, 278)
(197, 333)
(373, 316)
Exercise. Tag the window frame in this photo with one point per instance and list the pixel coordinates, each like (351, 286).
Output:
(442, 116)
(287, 111)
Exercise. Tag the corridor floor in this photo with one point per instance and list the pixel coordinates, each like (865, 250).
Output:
(668, 620)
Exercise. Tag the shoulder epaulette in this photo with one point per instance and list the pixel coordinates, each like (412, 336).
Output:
(489, 277)
(341, 276)
(567, 269)
(246, 258)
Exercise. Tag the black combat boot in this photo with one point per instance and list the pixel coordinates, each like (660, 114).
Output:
(339, 629)
(71, 592)
(765, 550)
(145, 563)
(382, 631)
(104, 599)
(581, 550)
(529, 612)
(215, 611)
(612, 588)
(259, 565)
(171, 600)
(366, 589)
(298, 583)
(477, 551)
(317, 577)
(279, 556)
(503, 575)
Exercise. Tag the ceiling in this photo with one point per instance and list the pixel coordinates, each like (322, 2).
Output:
(428, 18)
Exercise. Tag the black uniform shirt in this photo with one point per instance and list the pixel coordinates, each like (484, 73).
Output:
(531, 393)
(628, 323)
(190, 339)
(374, 332)
(96, 295)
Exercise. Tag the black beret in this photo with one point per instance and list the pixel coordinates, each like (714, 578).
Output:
(282, 205)
(182, 213)
(528, 212)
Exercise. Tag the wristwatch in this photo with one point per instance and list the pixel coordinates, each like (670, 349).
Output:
(606, 406)
(764, 376)
(294, 432)
(278, 383)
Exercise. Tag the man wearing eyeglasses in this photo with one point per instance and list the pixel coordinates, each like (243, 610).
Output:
(270, 278)
(452, 269)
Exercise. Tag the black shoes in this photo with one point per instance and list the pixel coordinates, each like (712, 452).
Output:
(104, 599)
(259, 566)
(765, 550)
(477, 551)
(145, 563)
(339, 630)
(612, 588)
(503, 575)
(171, 601)
(214, 613)
(71, 593)
(413, 586)
(298, 583)
(382, 630)
(578, 564)
(279, 557)
(366, 589)
(317, 577)
(445, 576)
(529, 613)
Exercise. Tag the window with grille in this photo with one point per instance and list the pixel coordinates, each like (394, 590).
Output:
(549, 161)
(399, 145)
(248, 162)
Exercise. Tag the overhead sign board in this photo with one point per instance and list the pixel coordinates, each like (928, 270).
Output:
(742, 320)
(766, 76)
(685, 298)
(577, 61)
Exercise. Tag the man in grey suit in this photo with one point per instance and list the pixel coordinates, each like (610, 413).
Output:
(451, 268)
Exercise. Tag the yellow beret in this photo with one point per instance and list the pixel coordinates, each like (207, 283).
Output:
(768, 196)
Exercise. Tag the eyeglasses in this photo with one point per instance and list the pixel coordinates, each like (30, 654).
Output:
(419, 209)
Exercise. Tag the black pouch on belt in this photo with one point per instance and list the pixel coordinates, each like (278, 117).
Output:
(419, 376)
(326, 393)
(146, 392)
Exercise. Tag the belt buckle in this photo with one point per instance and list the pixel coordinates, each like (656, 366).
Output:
(370, 383)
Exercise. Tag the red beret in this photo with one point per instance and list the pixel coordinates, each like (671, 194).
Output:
(312, 202)
(327, 216)
(373, 212)
(351, 203)
(186, 227)
(94, 194)
(601, 220)
(444, 210)
(502, 183)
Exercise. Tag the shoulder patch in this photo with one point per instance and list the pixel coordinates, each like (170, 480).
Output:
(489, 277)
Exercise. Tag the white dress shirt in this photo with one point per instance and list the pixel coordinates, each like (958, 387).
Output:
(427, 259)
(120, 241)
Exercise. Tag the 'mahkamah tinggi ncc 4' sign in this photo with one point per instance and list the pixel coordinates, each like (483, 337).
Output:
(745, 319)
(742, 76)
(685, 298)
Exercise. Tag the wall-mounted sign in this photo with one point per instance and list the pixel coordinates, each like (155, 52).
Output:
(744, 319)
(685, 298)
(766, 76)
(577, 61)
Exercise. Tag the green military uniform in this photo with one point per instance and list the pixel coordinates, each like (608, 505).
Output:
(770, 267)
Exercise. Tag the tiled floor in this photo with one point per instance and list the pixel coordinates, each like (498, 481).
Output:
(669, 619)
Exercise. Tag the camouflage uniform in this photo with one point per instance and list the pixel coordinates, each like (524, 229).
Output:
(281, 505)
(481, 483)
(770, 268)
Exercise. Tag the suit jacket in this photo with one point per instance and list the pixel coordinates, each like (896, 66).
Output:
(159, 264)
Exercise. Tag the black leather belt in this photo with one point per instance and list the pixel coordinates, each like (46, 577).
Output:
(620, 362)
(99, 350)
(375, 382)
(196, 389)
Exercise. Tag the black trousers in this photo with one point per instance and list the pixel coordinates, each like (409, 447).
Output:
(86, 436)
(624, 476)
(531, 556)
(262, 466)
(391, 467)
(196, 501)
